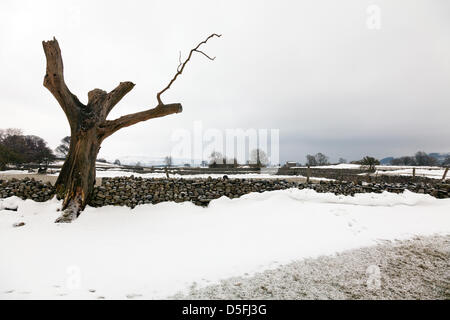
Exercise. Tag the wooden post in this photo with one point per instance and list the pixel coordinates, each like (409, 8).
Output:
(445, 174)
(414, 172)
(308, 174)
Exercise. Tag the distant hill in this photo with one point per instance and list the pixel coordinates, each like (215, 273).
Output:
(387, 160)
(440, 157)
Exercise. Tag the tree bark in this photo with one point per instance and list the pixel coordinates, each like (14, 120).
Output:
(76, 180)
(89, 128)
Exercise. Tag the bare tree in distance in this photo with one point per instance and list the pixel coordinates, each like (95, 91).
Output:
(215, 158)
(446, 161)
(404, 161)
(311, 160)
(10, 132)
(63, 148)
(259, 158)
(89, 126)
(319, 159)
(168, 161)
(423, 159)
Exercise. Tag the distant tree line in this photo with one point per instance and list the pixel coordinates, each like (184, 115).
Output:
(258, 159)
(419, 159)
(446, 161)
(319, 159)
(217, 160)
(17, 149)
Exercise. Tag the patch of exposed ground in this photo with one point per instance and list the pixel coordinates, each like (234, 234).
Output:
(412, 269)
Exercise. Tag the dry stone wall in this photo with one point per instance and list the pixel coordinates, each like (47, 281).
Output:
(133, 191)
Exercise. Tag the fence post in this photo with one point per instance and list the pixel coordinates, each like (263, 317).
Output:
(445, 174)
(308, 174)
(414, 172)
(167, 172)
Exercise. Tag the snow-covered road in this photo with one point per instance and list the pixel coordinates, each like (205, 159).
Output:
(155, 251)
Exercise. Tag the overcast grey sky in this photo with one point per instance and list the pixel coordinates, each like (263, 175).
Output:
(312, 69)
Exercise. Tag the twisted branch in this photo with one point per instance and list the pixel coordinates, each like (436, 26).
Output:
(181, 66)
(54, 81)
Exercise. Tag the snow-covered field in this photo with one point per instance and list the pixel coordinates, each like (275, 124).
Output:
(119, 173)
(155, 251)
(14, 172)
(335, 166)
(115, 173)
(429, 172)
(97, 164)
(436, 173)
(110, 170)
(379, 167)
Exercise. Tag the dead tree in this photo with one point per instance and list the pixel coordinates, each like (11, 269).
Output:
(89, 126)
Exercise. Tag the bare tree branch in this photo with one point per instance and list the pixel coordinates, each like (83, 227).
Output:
(180, 63)
(108, 127)
(116, 95)
(54, 81)
(205, 55)
(181, 67)
(111, 126)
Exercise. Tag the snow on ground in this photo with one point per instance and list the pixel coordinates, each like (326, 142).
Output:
(415, 269)
(157, 250)
(429, 173)
(379, 167)
(119, 173)
(388, 167)
(14, 172)
(335, 166)
(97, 163)
(114, 173)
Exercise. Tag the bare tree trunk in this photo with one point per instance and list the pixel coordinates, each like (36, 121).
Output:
(89, 127)
(77, 178)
